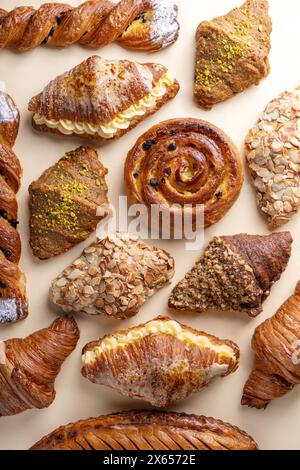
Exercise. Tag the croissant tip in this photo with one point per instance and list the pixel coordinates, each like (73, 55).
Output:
(253, 402)
(66, 324)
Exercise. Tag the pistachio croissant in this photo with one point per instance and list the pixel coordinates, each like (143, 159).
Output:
(161, 361)
(235, 273)
(147, 430)
(276, 343)
(29, 366)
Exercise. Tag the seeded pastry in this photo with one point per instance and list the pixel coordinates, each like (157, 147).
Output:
(114, 276)
(161, 361)
(273, 156)
(102, 100)
(232, 53)
(147, 430)
(235, 273)
(64, 202)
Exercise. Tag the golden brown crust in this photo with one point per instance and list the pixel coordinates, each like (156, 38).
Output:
(64, 202)
(13, 302)
(235, 273)
(29, 366)
(277, 365)
(147, 430)
(147, 25)
(192, 162)
(159, 367)
(232, 53)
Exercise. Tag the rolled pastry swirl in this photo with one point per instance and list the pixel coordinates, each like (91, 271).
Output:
(147, 25)
(185, 162)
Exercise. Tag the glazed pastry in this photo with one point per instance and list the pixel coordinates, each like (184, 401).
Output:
(147, 430)
(161, 361)
(273, 156)
(232, 53)
(29, 366)
(235, 273)
(65, 202)
(146, 25)
(276, 343)
(114, 276)
(185, 162)
(102, 100)
(13, 301)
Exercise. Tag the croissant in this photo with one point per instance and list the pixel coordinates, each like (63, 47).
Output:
(232, 53)
(273, 155)
(65, 202)
(147, 430)
(235, 273)
(101, 99)
(13, 301)
(277, 355)
(181, 163)
(28, 367)
(161, 361)
(146, 25)
(114, 276)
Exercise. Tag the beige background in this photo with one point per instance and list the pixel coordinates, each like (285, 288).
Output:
(24, 76)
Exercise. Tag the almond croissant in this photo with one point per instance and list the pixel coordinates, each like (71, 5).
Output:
(235, 273)
(29, 366)
(161, 361)
(276, 343)
(146, 25)
(147, 430)
(13, 301)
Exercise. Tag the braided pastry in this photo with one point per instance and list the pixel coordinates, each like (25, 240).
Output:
(277, 365)
(13, 302)
(147, 430)
(147, 25)
(185, 162)
(29, 366)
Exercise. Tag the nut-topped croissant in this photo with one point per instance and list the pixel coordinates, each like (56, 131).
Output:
(161, 361)
(102, 99)
(13, 302)
(29, 366)
(146, 25)
(276, 343)
(235, 273)
(147, 430)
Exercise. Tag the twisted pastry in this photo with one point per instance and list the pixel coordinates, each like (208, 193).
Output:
(161, 361)
(29, 366)
(185, 162)
(147, 430)
(276, 343)
(147, 25)
(13, 302)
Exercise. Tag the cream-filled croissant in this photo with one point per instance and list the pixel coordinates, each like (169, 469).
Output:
(29, 366)
(161, 361)
(102, 99)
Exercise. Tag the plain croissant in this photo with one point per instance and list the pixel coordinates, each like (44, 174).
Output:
(276, 343)
(29, 366)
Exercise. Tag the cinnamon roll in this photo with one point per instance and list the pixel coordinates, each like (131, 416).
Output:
(185, 164)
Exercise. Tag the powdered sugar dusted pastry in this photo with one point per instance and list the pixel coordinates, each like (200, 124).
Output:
(273, 156)
(147, 25)
(161, 361)
(114, 276)
(102, 100)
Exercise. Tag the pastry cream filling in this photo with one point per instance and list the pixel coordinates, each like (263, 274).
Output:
(170, 327)
(122, 121)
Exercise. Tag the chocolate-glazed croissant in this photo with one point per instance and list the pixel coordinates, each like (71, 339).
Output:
(147, 25)
(161, 361)
(147, 430)
(13, 302)
(276, 343)
(235, 273)
(29, 366)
